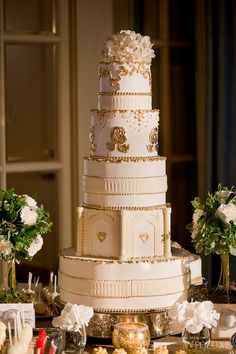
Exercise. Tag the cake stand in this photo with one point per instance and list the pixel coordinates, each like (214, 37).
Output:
(101, 324)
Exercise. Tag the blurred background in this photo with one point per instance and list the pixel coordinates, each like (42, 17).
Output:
(49, 54)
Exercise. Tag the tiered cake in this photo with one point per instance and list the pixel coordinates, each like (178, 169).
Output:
(123, 261)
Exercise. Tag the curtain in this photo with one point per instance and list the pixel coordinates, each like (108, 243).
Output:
(220, 106)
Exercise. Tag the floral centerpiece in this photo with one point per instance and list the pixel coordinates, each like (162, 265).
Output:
(72, 321)
(213, 229)
(195, 319)
(22, 224)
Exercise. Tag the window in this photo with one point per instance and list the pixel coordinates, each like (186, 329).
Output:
(34, 115)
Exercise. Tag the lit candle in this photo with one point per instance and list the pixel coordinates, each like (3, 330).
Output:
(131, 336)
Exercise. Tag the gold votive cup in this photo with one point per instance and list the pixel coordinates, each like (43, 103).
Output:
(131, 336)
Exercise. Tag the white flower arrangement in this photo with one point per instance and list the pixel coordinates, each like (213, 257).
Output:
(73, 317)
(194, 316)
(127, 46)
(213, 228)
(22, 224)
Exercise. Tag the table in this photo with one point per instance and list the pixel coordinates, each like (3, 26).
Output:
(173, 344)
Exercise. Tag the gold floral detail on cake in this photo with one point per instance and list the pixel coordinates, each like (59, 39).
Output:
(139, 116)
(134, 118)
(121, 71)
(144, 237)
(118, 140)
(180, 352)
(114, 79)
(153, 138)
(101, 235)
(93, 146)
(102, 116)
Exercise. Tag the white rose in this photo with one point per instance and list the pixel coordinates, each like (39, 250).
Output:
(196, 216)
(226, 213)
(35, 246)
(223, 194)
(5, 246)
(30, 201)
(28, 215)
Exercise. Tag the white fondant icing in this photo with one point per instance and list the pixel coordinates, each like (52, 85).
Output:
(124, 77)
(138, 126)
(122, 285)
(123, 234)
(125, 168)
(122, 201)
(125, 223)
(196, 269)
(124, 185)
(125, 101)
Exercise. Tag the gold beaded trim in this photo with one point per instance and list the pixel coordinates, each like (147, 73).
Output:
(153, 207)
(100, 311)
(118, 159)
(124, 93)
(106, 110)
(114, 194)
(132, 311)
(103, 260)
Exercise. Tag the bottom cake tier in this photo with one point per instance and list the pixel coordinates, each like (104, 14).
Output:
(138, 285)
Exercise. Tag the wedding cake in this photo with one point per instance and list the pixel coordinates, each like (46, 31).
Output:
(124, 261)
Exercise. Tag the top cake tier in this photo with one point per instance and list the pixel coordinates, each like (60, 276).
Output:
(124, 72)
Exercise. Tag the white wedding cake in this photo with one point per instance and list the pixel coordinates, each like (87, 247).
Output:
(124, 261)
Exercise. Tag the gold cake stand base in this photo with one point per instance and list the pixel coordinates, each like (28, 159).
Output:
(101, 324)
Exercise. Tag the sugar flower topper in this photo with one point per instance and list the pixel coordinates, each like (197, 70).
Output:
(73, 317)
(194, 316)
(22, 224)
(127, 46)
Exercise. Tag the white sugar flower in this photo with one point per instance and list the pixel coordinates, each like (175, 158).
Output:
(226, 213)
(5, 246)
(128, 46)
(28, 215)
(72, 317)
(31, 202)
(35, 246)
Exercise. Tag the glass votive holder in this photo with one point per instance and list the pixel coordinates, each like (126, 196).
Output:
(131, 336)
